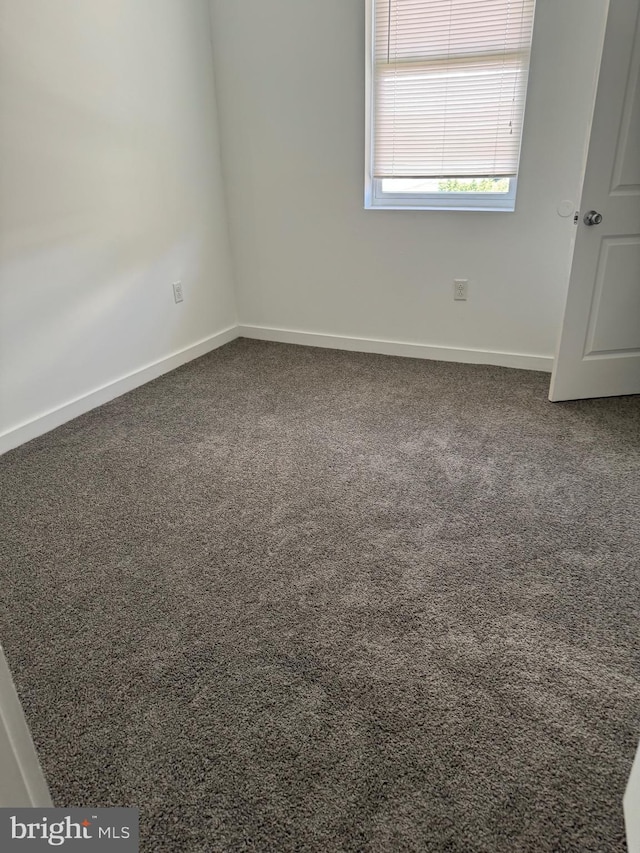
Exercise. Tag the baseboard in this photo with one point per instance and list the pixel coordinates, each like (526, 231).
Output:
(18, 435)
(24, 432)
(523, 361)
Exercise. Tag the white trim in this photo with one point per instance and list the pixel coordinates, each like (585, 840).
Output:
(24, 432)
(22, 783)
(501, 202)
(523, 361)
(368, 106)
(55, 417)
(631, 805)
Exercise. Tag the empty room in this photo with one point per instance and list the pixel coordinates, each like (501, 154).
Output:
(320, 426)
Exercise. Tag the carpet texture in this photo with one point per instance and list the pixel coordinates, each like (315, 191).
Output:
(290, 599)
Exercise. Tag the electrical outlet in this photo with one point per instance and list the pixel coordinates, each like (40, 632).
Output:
(460, 288)
(177, 291)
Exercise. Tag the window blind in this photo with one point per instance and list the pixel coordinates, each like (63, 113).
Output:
(450, 80)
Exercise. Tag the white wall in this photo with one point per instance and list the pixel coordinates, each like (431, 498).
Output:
(290, 83)
(110, 190)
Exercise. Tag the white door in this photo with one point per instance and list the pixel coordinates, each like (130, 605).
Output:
(21, 781)
(632, 807)
(599, 351)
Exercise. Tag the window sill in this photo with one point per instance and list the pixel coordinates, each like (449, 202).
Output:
(457, 208)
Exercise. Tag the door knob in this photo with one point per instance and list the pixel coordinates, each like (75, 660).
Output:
(592, 218)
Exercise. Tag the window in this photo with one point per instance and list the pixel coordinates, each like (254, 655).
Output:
(446, 89)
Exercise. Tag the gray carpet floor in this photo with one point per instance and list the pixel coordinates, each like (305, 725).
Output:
(289, 599)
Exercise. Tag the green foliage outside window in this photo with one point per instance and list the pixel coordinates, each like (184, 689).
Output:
(474, 185)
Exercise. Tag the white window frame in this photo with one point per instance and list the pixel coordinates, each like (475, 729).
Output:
(378, 199)
(375, 199)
